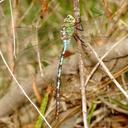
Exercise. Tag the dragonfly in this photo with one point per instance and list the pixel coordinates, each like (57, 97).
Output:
(66, 34)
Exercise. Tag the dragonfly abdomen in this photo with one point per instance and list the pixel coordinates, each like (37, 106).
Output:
(58, 84)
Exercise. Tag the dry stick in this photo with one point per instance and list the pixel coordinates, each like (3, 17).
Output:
(97, 65)
(108, 72)
(26, 12)
(125, 69)
(84, 103)
(116, 17)
(81, 65)
(20, 86)
(38, 52)
(13, 29)
(36, 40)
(113, 106)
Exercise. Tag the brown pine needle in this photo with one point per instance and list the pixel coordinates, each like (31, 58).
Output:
(36, 91)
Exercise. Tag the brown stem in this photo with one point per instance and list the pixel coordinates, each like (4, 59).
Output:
(81, 64)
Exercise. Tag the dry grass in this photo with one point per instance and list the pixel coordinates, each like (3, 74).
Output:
(32, 46)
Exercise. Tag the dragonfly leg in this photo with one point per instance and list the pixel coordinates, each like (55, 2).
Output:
(80, 28)
(76, 37)
(84, 46)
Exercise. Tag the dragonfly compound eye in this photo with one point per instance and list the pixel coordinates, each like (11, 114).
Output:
(70, 19)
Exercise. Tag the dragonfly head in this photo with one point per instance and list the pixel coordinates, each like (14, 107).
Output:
(69, 19)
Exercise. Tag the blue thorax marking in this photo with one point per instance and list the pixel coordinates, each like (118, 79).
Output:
(66, 43)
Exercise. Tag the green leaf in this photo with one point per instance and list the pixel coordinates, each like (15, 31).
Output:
(42, 109)
(93, 107)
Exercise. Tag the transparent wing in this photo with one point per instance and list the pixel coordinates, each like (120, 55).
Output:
(31, 42)
(46, 42)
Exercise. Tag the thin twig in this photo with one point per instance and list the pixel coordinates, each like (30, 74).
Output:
(116, 17)
(81, 69)
(22, 89)
(113, 106)
(97, 65)
(81, 65)
(38, 51)
(13, 29)
(1, 1)
(117, 74)
(108, 72)
(107, 9)
(26, 12)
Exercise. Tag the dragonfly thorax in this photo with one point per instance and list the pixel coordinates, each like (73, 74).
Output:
(67, 32)
(68, 27)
